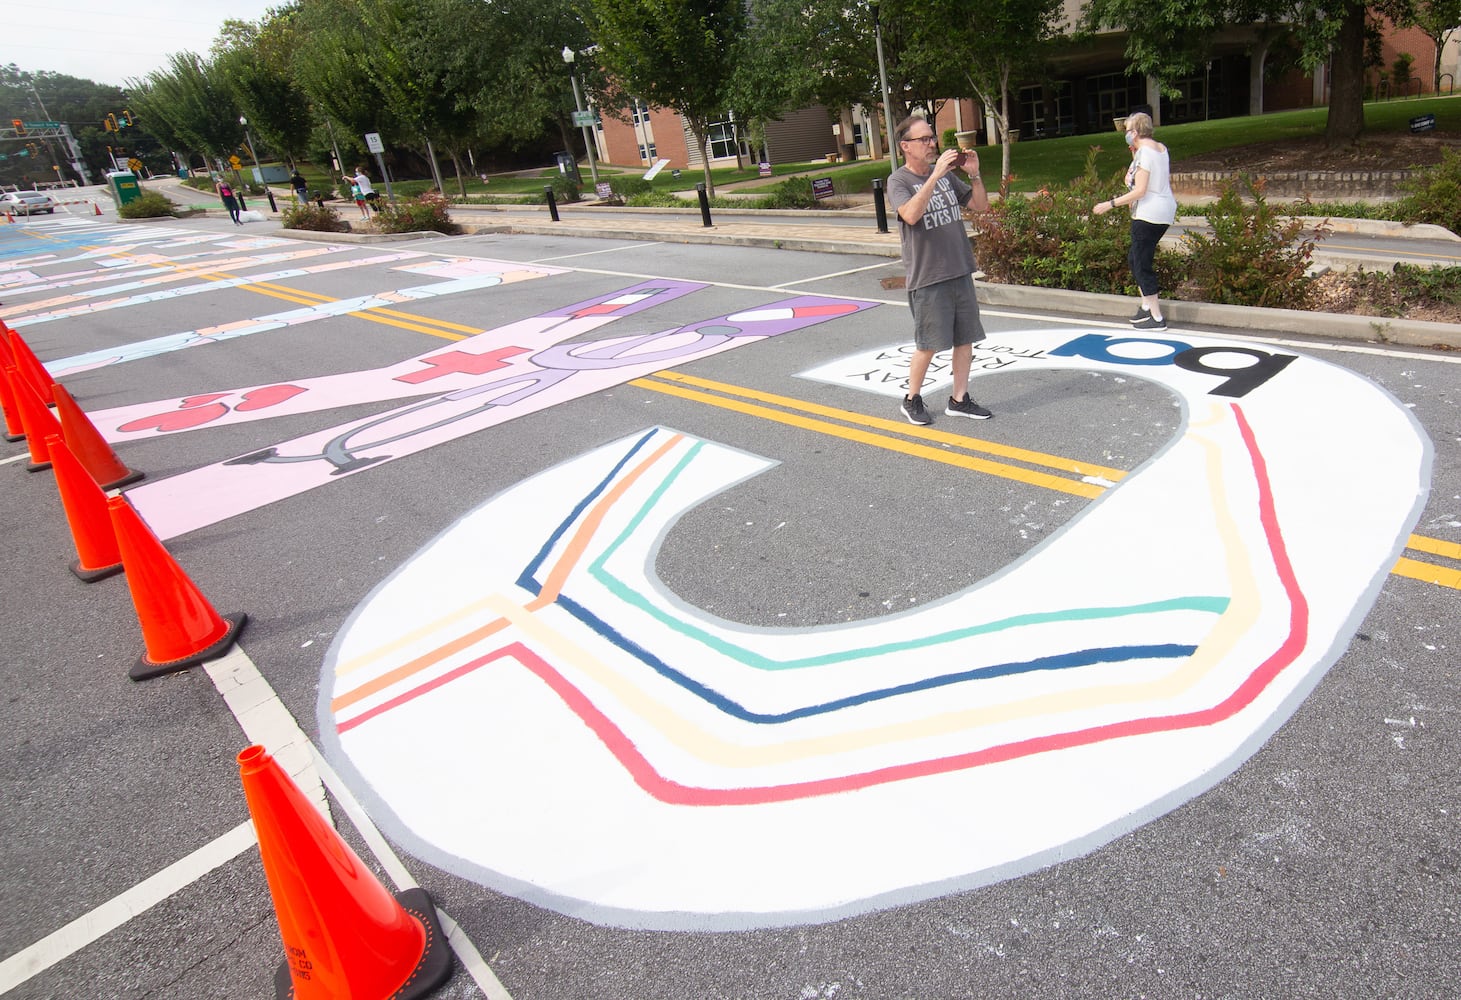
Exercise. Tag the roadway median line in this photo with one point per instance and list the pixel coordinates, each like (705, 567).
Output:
(1097, 478)
(672, 387)
(444, 329)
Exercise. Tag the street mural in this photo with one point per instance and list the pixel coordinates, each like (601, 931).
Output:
(524, 702)
(482, 381)
(641, 762)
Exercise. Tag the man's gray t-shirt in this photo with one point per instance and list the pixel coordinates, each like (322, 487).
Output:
(937, 248)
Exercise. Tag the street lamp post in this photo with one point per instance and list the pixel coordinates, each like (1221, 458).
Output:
(249, 141)
(588, 139)
(883, 85)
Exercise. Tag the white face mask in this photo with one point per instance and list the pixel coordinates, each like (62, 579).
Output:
(1130, 138)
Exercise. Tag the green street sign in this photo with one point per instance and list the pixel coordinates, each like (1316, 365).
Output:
(42, 124)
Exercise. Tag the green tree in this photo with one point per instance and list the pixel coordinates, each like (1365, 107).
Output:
(1168, 39)
(81, 103)
(988, 44)
(256, 61)
(676, 54)
(189, 106)
(1439, 19)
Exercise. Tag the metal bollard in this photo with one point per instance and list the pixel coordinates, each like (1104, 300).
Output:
(880, 205)
(552, 203)
(272, 207)
(704, 205)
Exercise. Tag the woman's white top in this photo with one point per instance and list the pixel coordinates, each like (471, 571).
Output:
(1157, 206)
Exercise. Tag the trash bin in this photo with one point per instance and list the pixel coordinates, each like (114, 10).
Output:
(183, 173)
(849, 152)
(124, 187)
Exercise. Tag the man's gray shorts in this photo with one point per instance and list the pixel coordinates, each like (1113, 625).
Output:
(945, 315)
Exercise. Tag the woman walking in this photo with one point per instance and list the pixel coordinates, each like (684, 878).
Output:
(225, 192)
(1155, 209)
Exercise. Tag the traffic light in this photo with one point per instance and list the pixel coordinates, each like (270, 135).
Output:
(111, 123)
(127, 115)
(18, 125)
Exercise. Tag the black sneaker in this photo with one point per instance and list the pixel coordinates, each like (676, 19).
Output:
(915, 411)
(966, 407)
(1151, 325)
(1140, 315)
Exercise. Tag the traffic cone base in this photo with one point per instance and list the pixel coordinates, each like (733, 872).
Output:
(146, 667)
(433, 969)
(87, 444)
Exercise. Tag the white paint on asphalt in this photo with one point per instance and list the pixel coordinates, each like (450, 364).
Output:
(115, 912)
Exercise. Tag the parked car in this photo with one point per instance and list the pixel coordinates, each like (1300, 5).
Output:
(26, 202)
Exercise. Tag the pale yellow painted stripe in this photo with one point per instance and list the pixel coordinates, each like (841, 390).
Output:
(1088, 490)
(1426, 572)
(1060, 462)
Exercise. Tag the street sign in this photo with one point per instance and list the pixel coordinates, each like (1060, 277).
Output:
(1423, 123)
(42, 124)
(373, 143)
(583, 119)
(235, 162)
(822, 188)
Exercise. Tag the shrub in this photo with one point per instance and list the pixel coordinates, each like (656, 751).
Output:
(311, 217)
(565, 189)
(1433, 195)
(150, 205)
(794, 192)
(1254, 256)
(425, 213)
(950, 139)
(624, 187)
(1051, 239)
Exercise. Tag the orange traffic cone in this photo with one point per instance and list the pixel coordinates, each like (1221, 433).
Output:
(30, 366)
(179, 626)
(87, 444)
(97, 206)
(35, 417)
(344, 934)
(10, 218)
(14, 427)
(86, 511)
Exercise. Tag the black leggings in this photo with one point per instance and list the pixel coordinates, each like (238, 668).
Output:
(1144, 239)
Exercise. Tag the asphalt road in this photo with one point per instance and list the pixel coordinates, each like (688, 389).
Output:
(386, 475)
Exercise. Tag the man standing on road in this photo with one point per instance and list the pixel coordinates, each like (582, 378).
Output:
(938, 257)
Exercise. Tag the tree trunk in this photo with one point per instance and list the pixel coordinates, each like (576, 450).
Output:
(435, 167)
(1347, 80)
(456, 162)
(698, 130)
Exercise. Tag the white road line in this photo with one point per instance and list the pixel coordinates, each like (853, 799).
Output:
(23, 456)
(265, 721)
(838, 274)
(119, 909)
(590, 253)
(466, 952)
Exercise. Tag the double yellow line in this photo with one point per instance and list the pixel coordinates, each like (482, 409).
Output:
(376, 314)
(1064, 474)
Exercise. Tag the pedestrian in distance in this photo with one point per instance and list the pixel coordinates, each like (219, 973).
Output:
(938, 257)
(1155, 209)
(359, 197)
(300, 186)
(366, 188)
(230, 202)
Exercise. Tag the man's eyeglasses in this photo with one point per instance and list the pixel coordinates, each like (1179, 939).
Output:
(920, 138)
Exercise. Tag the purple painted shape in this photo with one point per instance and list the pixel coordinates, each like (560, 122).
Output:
(528, 383)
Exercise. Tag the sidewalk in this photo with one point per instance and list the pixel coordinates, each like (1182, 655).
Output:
(802, 230)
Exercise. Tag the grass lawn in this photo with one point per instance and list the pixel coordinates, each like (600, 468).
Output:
(1033, 164)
